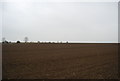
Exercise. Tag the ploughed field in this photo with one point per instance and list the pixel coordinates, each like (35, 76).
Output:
(59, 61)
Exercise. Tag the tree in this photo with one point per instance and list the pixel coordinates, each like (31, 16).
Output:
(3, 39)
(38, 41)
(18, 41)
(26, 39)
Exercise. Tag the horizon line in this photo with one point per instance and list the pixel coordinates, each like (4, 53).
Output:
(64, 41)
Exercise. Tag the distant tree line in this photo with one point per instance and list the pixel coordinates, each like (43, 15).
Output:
(26, 41)
(5, 41)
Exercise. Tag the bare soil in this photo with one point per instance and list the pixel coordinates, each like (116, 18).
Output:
(60, 61)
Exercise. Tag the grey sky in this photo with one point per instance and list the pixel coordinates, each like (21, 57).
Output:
(0, 20)
(60, 21)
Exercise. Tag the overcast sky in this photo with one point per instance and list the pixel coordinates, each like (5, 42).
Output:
(60, 21)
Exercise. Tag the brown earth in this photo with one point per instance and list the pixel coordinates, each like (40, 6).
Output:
(60, 61)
